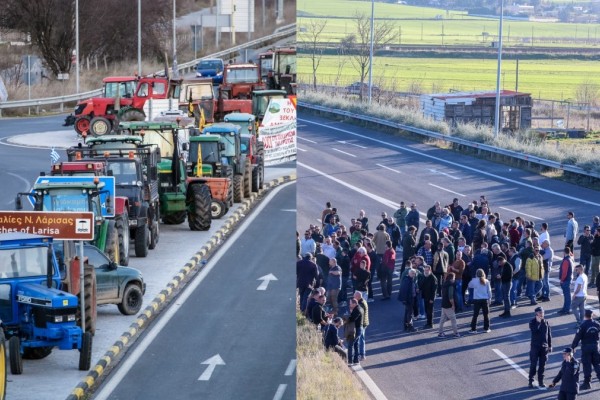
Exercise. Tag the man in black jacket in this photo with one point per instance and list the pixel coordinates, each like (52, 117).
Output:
(428, 288)
(569, 374)
(407, 295)
(356, 318)
(541, 346)
(505, 273)
(589, 335)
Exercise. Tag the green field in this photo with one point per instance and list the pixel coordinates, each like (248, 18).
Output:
(546, 79)
(417, 25)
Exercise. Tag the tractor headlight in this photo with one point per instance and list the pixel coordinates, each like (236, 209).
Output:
(58, 319)
(71, 317)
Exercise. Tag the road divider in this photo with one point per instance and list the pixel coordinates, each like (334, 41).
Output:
(195, 264)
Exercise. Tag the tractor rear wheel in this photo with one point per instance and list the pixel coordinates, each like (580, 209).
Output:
(228, 173)
(82, 124)
(111, 247)
(132, 114)
(217, 209)
(154, 229)
(255, 179)
(132, 300)
(100, 126)
(260, 151)
(2, 365)
(89, 285)
(85, 352)
(238, 188)
(175, 218)
(199, 214)
(122, 224)
(36, 353)
(142, 240)
(14, 350)
(247, 181)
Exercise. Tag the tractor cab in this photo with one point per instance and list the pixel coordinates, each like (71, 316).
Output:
(119, 86)
(246, 122)
(206, 156)
(261, 99)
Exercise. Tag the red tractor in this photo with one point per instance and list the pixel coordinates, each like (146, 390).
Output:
(124, 99)
(278, 69)
(235, 93)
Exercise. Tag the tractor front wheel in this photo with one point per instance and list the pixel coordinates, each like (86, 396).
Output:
(238, 188)
(89, 286)
(154, 230)
(132, 114)
(16, 360)
(175, 218)
(247, 181)
(2, 365)
(85, 352)
(122, 224)
(256, 179)
(217, 209)
(100, 126)
(142, 240)
(82, 124)
(199, 209)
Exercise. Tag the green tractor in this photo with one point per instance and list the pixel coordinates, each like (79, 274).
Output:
(233, 155)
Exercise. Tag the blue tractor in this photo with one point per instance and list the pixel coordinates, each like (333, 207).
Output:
(36, 315)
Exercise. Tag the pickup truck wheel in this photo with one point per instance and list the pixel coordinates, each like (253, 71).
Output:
(16, 361)
(85, 352)
(132, 300)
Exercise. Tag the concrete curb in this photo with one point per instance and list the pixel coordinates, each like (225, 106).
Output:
(88, 382)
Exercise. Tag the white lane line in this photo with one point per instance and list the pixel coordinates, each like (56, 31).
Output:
(435, 171)
(306, 140)
(291, 367)
(27, 184)
(352, 155)
(280, 391)
(351, 144)
(448, 190)
(455, 164)
(166, 316)
(511, 363)
(368, 382)
(521, 213)
(391, 169)
(515, 366)
(298, 148)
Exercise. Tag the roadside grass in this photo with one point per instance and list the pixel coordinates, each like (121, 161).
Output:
(434, 26)
(584, 155)
(322, 374)
(547, 79)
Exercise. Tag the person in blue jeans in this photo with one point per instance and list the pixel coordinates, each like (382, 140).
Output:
(547, 256)
(356, 318)
(534, 271)
(362, 303)
(517, 278)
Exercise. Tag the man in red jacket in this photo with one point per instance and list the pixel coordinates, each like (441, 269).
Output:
(565, 274)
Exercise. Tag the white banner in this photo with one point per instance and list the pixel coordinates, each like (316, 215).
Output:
(278, 132)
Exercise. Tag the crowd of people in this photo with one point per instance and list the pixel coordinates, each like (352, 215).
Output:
(463, 256)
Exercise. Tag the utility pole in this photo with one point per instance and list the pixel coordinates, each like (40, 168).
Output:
(139, 21)
(497, 108)
(76, 46)
(371, 50)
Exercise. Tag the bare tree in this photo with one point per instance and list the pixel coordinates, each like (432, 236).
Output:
(311, 37)
(359, 56)
(50, 24)
(587, 92)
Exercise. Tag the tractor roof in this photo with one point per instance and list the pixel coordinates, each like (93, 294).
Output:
(237, 117)
(68, 185)
(241, 66)
(137, 125)
(205, 138)
(221, 127)
(269, 92)
(20, 238)
(119, 79)
(114, 139)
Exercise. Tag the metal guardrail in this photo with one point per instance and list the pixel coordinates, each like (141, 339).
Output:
(281, 33)
(456, 140)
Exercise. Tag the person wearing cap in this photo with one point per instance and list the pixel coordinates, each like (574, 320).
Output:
(579, 294)
(588, 333)
(569, 375)
(541, 346)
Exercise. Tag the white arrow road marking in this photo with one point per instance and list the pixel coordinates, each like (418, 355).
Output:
(391, 169)
(435, 171)
(265, 281)
(212, 363)
(351, 144)
(343, 152)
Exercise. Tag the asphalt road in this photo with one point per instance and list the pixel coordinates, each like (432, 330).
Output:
(57, 375)
(358, 168)
(227, 315)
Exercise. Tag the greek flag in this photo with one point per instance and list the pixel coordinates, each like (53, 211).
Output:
(54, 156)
